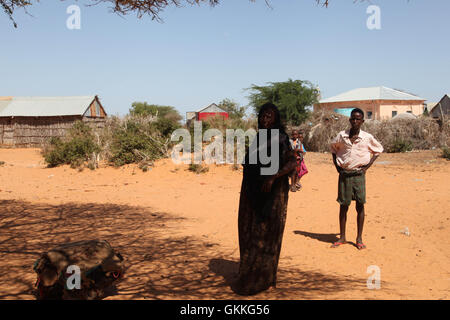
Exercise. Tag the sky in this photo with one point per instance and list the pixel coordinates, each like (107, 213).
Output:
(199, 55)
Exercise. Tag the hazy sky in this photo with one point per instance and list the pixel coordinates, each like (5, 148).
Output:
(200, 55)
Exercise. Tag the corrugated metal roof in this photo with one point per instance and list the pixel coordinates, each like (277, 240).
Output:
(211, 108)
(46, 106)
(4, 104)
(372, 93)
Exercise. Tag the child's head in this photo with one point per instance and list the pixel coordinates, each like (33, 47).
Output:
(300, 136)
(294, 134)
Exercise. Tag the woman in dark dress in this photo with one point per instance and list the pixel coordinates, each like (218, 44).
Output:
(262, 210)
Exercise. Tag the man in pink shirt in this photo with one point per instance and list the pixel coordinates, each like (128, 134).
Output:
(354, 151)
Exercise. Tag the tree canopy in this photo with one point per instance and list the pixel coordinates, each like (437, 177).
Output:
(145, 109)
(140, 7)
(235, 111)
(291, 97)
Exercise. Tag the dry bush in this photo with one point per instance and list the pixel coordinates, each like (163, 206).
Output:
(395, 136)
(133, 139)
(221, 124)
(320, 129)
(446, 153)
(75, 149)
(198, 168)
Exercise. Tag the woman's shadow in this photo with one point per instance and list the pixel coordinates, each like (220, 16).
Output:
(228, 270)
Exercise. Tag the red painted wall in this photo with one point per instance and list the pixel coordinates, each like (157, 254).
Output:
(205, 115)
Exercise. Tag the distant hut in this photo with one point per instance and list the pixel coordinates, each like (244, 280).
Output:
(442, 108)
(30, 121)
(210, 111)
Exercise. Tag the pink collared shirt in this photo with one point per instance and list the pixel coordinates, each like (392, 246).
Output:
(353, 156)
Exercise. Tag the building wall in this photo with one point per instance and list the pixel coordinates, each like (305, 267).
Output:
(381, 109)
(206, 115)
(366, 106)
(35, 131)
(387, 109)
(95, 110)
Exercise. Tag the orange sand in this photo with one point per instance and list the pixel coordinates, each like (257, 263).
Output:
(178, 230)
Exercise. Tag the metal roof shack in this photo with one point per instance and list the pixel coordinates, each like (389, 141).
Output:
(31, 121)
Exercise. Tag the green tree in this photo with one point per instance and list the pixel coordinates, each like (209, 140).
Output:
(145, 109)
(292, 97)
(235, 111)
(167, 117)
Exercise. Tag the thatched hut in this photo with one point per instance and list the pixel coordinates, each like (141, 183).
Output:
(30, 121)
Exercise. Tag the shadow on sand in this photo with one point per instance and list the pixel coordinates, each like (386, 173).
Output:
(160, 263)
(324, 237)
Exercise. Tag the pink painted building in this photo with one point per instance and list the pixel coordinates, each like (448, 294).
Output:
(378, 103)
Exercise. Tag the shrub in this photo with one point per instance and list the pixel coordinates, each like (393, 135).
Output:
(222, 125)
(197, 168)
(446, 153)
(235, 167)
(133, 140)
(399, 145)
(76, 148)
(396, 136)
(166, 126)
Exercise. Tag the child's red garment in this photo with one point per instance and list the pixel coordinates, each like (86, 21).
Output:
(301, 169)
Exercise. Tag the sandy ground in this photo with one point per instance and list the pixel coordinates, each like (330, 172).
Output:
(178, 230)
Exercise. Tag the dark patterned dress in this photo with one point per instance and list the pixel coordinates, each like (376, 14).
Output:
(262, 216)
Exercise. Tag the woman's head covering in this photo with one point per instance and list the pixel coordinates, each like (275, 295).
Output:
(277, 123)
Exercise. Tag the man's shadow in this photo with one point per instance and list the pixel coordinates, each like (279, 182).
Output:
(324, 237)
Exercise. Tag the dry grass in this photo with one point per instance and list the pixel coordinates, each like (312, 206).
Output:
(423, 133)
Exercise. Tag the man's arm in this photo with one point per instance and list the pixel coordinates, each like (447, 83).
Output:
(335, 163)
(376, 149)
(372, 160)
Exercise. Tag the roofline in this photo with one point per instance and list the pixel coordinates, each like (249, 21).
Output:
(89, 106)
(101, 106)
(94, 98)
(416, 100)
(438, 103)
(380, 87)
(210, 106)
